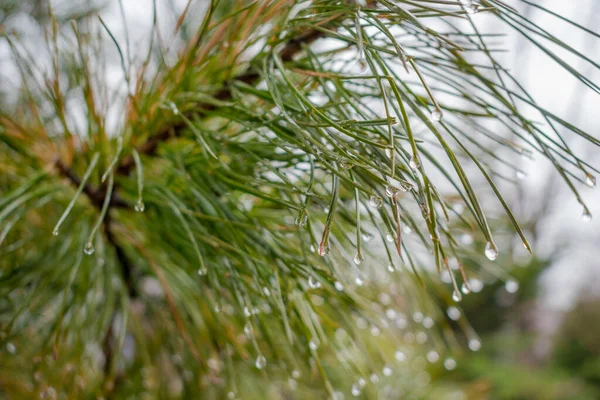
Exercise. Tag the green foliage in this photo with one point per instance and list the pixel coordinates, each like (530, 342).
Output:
(356, 122)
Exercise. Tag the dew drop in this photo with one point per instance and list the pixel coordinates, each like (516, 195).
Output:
(456, 296)
(428, 322)
(466, 239)
(476, 285)
(436, 115)
(511, 286)
(391, 268)
(520, 175)
(472, 9)
(55, 232)
(465, 289)
(313, 283)
(174, 108)
(139, 206)
(388, 152)
(261, 362)
(88, 249)
(491, 252)
(414, 162)
(358, 281)
(362, 382)
(400, 356)
(338, 286)
(586, 216)
(202, 271)
(375, 201)
(302, 217)
(247, 312)
(358, 258)
(406, 229)
(391, 191)
(345, 164)
(295, 374)
(367, 236)
(248, 329)
(453, 313)
(389, 237)
(433, 356)
(474, 344)
(387, 370)
(313, 345)
(324, 249)
(11, 348)
(590, 180)
(355, 390)
(449, 364)
(374, 378)
(231, 395)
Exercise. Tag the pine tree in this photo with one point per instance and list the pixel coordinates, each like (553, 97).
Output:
(264, 207)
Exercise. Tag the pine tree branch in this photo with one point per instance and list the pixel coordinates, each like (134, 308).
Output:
(166, 132)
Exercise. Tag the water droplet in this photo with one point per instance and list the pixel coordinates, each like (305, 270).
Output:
(476, 285)
(261, 362)
(88, 249)
(374, 378)
(474, 344)
(358, 281)
(387, 370)
(520, 175)
(472, 9)
(586, 216)
(414, 162)
(313, 344)
(345, 164)
(375, 201)
(436, 115)
(355, 390)
(449, 364)
(248, 329)
(433, 356)
(465, 289)
(202, 271)
(174, 108)
(324, 249)
(391, 268)
(491, 251)
(312, 248)
(456, 296)
(266, 291)
(55, 232)
(367, 236)
(389, 237)
(247, 312)
(590, 180)
(139, 206)
(302, 217)
(511, 286)
(362, 382)
(295, 374)
(400, 356)
(453, 313)
(313, 283)
(11, 348)
(391, 191)
(406, 229)
(388, 152)
(358, 258)
(417, 316)
(466, 239)
(231, 395)
(428, 322)
(338, 286)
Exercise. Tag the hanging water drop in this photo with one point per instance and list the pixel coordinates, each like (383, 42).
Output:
(202, 271)
(302, 217)
(391, 268)
(436, 115)
(375, 201)
(338, 286)
(88, 249)
(367, 236)
(374, 378)
(391, 191)
(590, 180)
(355, 390)
(345, 164)
(476, 285)
(449, 364)
(389, 237)
(433, 356)
(472, 9)
(261, 362)
(55, 232)
(586, 216)
(465, 289)
(358, 281)
(295, 374)
(474, 344)
(520, 175)
(247, 312)
(414, 162)
(358, 258)
(456, 296)
(406, 229)
(389, 152)
(453, 313)
(324, 249)
(491, 251)
(362, 382)
(387, 370)
(139, 206)
(314, 345)
(511, 286)
(313, 283)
